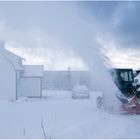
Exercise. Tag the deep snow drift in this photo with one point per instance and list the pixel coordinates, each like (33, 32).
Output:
(64, 117)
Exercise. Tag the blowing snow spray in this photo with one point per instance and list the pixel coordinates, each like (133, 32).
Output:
(103, 81)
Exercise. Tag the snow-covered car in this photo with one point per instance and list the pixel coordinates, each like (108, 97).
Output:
(80, 91)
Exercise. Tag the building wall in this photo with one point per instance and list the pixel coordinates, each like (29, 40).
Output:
(7, 80)
(18, 79)
(30, 87)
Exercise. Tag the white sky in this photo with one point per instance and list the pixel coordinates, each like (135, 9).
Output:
(59, 35)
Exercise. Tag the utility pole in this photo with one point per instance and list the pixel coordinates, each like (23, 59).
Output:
(69, 78)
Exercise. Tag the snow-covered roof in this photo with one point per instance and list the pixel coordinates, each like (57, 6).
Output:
(33, 70)
(11, 57)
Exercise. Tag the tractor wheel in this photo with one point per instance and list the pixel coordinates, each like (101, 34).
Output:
(99, 102)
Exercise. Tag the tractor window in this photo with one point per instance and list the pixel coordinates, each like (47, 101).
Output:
(126, 75)
(130, 76)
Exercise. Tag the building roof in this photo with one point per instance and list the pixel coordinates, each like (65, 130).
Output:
(33, 70)
(11, 57)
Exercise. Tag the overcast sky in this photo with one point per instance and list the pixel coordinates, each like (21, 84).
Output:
(61, 34)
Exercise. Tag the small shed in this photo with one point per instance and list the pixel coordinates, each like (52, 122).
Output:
(31, 81)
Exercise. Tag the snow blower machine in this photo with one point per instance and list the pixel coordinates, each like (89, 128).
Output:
(129, 94)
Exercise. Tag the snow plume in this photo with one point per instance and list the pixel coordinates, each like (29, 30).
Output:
(100, 73)
(83, 37)
(80, 35)
(63, 27)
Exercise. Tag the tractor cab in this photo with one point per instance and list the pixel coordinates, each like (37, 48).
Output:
(123, 79)
(128, 96)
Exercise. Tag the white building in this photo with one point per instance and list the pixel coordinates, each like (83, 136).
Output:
(10, 69)
(16, 79)
(31, 81)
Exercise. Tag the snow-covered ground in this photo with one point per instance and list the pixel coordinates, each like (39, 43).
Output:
(64, 117)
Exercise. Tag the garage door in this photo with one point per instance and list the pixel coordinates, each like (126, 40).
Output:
(30, 87)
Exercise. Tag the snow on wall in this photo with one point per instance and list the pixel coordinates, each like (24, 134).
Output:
(33, 71)
(7, 79)
(30, 87)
